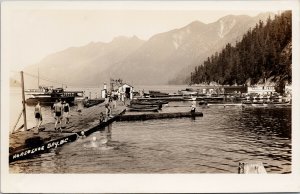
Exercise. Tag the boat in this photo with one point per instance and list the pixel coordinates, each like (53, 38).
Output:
(158, 103)
(202, 103)
(93, 102)
(40, 90)
(264, 103)
(155, 94)
(50, 96)
(187, 92)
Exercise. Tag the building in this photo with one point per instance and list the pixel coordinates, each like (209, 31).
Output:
(288, 89)
(125, 90)
(261, 89)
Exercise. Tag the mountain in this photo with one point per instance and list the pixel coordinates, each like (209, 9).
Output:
(264, 53)
(166, 56)
(81, 66)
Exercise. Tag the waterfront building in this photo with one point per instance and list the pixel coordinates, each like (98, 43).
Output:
(261, 89)
(127, 90)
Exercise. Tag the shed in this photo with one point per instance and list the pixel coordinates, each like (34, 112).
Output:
(126, 90)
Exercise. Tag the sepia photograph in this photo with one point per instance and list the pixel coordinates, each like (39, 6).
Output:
(163, 88)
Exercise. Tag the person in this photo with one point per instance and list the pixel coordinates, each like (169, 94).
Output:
(107, 110)
(123, 98)
(58, 114)
(114, 101)
(66, 108)
(82, 134)
(193, 110)
(101, 117)
(38, 116)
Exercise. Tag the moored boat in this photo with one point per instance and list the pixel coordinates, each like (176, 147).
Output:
(154, 94)
(49, 97)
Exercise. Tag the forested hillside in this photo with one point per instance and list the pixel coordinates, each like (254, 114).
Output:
(263, 53)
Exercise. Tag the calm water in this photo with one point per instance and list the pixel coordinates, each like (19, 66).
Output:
(215, 143)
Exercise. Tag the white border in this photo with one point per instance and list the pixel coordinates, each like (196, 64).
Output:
(35, 183)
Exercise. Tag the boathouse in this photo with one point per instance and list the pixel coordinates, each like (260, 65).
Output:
(126, 90)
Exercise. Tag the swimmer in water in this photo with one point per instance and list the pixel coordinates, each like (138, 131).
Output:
(82, 134)
(93, 142)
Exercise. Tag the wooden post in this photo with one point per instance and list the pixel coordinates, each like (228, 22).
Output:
(23, 101)
(38, 76)
(251, 168)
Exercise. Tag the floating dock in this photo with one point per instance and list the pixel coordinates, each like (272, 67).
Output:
(149, 116)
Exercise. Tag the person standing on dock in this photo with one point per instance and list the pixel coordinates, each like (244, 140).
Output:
(38, 116)
(58, 113)
(193, 110)
(66, 108)
(114, 101)
(107, 111)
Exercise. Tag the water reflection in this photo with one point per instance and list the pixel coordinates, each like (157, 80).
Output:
(267, 122)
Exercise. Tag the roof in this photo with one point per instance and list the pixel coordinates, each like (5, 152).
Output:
(125, 84)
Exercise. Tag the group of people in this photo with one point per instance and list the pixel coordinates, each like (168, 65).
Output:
(110, 103)
(61, 111)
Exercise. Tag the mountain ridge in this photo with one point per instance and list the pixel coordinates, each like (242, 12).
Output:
(165, 56)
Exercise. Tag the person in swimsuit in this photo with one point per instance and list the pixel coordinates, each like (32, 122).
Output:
(107, 111)
(58, 113)
(38, 116)
(66, 108)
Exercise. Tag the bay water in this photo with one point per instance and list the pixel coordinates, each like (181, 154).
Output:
(214, 143)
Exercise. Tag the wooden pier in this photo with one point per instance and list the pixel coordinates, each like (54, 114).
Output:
(26, 144)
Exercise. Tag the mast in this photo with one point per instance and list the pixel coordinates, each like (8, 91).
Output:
(23, 101)
(38, 76)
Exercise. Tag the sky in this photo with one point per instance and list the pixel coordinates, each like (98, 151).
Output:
(33, 33)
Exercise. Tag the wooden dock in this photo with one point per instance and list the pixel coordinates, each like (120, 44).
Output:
(149, 116)
(251, 168)
(25, 144)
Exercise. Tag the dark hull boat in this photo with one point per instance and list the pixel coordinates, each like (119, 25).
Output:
(93, 102)
(49, 97)
(157, 94)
